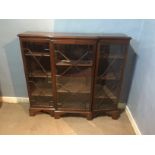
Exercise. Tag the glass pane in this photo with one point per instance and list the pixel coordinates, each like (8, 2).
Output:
(73, 76)
(40, 92)
(37, 58)
(107, 87)
(38, 66)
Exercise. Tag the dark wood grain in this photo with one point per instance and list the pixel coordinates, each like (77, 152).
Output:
(62, 35)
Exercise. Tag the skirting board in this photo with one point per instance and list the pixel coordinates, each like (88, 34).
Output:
(132, 121)
(6, 99)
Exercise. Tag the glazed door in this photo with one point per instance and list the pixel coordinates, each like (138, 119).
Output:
(74, 68)
(109, 71)
(36, 54)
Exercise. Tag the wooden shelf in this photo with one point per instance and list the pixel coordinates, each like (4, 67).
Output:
(104, 93)
(39, 74)
(83, 63)
(73, 91)
(43, 53)
(41, 88)
(43, 92)
(113, 56)
(82, 73)
(79, 85)
(109, 76)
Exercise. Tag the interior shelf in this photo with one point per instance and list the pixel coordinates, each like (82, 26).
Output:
(76, 73)
(109, 76)
(43, 53)
(40, 88)
(112, 56)
(42, 92)
(74, 85)
(73, 91)
(39, 74)
(103, 92)
(82, 63)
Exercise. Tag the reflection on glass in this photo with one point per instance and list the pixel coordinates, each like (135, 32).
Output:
(107, 87)
(38, 73)
(73, 76)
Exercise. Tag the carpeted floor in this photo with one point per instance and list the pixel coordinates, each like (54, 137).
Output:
(15, 120)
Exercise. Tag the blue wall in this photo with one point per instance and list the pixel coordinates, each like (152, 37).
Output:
(142, 95)
(129, 27)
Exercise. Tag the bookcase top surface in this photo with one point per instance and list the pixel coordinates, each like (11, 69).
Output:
(55, 35)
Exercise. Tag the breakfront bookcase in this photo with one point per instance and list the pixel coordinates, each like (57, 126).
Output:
(74, 73)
